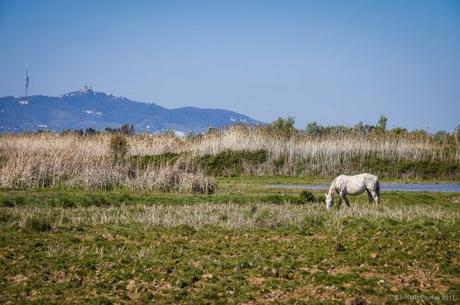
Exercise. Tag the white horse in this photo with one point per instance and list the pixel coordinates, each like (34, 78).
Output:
(354, 185)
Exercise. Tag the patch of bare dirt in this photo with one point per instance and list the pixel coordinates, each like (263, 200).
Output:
(17, 279)
(304, 293)
(136, 287)
(424, 280)
(319, 293)
(339, 270)
(310, 270)
(58, 276)
(207, 276)
(195, 263)
(255, 280)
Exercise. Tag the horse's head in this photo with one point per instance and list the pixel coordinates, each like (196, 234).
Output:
(329, 201)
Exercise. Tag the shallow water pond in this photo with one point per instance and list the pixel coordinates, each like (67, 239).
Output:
(390, 186)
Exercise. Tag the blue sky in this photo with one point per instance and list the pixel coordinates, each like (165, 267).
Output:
(335, 62)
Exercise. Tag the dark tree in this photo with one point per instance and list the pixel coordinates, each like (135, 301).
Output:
(284, 125)
(90, 131)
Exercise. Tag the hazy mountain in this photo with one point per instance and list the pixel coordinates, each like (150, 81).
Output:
(87, 108)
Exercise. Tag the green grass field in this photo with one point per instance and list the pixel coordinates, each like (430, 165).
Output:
(245, 244)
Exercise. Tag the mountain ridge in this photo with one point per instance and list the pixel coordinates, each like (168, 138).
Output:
(91, 109)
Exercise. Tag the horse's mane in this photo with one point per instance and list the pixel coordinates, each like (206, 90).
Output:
(332, 187)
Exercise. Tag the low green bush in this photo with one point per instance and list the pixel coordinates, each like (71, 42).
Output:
(38, 224)
(118, 146)
(231, 163)
(157, 161)
(307, 196)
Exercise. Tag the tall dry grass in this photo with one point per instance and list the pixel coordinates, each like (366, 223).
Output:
(326, 148)
(46, 159)
(226, 215)
(321, 155)
(239, 137)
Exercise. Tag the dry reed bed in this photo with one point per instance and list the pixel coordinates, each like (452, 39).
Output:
(229, 216)
(326, 148)
(82, 171)
(41, 160)
(235, 138)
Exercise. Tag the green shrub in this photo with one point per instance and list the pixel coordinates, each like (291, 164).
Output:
(7, 202)
(274, 199)
(285, 126)
(157, 161)
(38, 224)
(231, 163)
(118, 146)
(388, 167)
(66, 202)
(307, 196)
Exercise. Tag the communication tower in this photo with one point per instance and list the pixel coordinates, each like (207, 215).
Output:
(25, 99)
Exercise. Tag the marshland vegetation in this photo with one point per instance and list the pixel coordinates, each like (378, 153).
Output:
(245, 243)
(168, 162)
(109, 218)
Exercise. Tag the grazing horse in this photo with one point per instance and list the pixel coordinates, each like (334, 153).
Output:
(354, 185)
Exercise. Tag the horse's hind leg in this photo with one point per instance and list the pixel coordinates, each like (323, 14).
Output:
(375, 196)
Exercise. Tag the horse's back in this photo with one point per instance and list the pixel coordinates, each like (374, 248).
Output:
(364, 176)
(356, 184)
(370, 177)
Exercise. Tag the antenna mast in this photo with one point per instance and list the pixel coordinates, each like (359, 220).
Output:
(24, 100)
(27, 83)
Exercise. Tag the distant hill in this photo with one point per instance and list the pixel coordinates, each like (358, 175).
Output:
(87, 108)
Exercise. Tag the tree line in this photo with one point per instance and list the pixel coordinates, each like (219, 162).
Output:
(125, 129)
(287, 126)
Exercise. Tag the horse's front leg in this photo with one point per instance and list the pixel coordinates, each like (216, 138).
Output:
(343, 196)
(369, 197)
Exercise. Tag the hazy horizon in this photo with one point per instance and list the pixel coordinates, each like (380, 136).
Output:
(336, 63)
